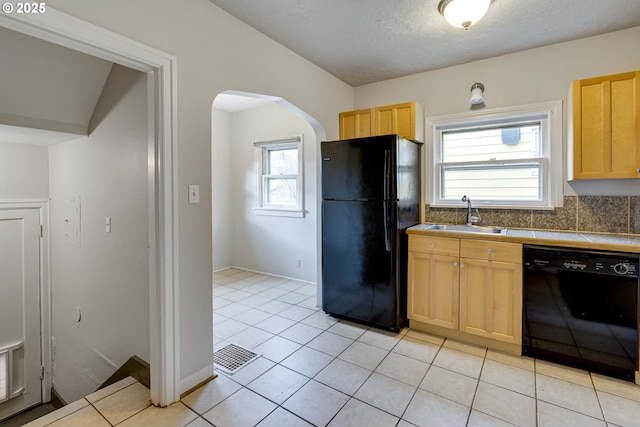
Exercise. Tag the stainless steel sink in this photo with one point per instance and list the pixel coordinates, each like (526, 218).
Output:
(463, 228)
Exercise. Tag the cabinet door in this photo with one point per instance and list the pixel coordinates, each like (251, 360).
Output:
(491, 299)
(357, 124)
(433, 289)
(397, 119)
(606, 127)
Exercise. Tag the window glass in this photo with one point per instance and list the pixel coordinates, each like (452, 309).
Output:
(279, 170)
(498, 158)
(281, 191)
(507, 182)
(471, 163)
(283, 161)
(502, 143)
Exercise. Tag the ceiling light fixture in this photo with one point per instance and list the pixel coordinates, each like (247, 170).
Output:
(463, 13)
(477, 89)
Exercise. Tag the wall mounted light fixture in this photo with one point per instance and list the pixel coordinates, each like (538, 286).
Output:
(463, 13)
(477, 89)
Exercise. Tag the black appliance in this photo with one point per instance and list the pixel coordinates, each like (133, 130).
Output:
(370, 195)
(581, 309)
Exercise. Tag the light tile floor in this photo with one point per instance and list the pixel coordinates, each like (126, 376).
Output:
(318, 371)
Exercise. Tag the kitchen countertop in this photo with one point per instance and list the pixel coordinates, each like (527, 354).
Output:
(594, 241)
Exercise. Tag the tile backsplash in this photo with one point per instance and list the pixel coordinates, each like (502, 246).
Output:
(599, 214)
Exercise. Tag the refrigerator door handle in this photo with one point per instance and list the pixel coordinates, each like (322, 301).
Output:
(387, 169)
(387, 233)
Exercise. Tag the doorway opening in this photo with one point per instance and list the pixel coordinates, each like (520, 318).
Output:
(246, 237)
(68, 31)
(242, 236)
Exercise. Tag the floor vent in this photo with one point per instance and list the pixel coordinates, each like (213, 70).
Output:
(232, 357)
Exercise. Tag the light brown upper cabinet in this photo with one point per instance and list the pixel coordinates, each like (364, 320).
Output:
(606, 127)
(400, 119)
(357, 124)
(406, 120)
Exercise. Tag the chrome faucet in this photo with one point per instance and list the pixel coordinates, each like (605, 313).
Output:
(471, 219)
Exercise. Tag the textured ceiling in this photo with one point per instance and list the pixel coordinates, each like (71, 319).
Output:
(365, 41)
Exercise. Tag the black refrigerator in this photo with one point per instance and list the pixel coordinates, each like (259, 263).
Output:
(370, 195)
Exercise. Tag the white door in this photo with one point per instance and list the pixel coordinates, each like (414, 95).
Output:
(20, 353)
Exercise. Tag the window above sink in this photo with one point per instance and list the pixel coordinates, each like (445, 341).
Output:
(501, 158)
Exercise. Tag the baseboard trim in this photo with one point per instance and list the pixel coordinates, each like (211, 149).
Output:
(134, 367)
(466, 338)
(56, 400)
(197, 386)
(264, 272)
(196, 379)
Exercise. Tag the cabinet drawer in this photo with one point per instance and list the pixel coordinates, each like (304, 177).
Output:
(491, 251)
(434, 245)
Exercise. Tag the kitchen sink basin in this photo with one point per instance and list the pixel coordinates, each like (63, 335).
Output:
(463, 228)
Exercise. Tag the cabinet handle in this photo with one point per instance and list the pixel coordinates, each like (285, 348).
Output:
(455, 263)
(462, 265)
(433, 245)
(489, 251)
(638, 170)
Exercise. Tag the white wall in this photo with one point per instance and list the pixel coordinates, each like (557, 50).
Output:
(221, 209)
(107, 277)
(215, 52)
(24, 172)
(271, 244)
(528, 77)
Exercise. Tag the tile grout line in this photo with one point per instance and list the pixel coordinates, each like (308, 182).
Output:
(418, 388)
(475, 392)
(357, 339)
(352, 396)
(388, 352)
(111, 394)
(595, 390)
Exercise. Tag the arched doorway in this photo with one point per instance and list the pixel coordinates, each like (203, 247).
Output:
(280, 245)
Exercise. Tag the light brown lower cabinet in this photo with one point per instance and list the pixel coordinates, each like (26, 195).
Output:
(434, 286)
(491, 299)
(466, 285)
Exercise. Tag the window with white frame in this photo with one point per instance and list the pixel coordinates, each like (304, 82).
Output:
(502, 158)
(280, 178)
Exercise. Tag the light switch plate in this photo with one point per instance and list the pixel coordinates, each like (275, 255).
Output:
(194, 194)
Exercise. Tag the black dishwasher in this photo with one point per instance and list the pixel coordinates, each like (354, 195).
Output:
(580, 309)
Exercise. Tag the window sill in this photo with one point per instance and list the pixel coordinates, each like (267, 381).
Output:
(290, 213)
(480, 205)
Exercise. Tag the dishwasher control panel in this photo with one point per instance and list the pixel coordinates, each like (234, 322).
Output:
(599, 262)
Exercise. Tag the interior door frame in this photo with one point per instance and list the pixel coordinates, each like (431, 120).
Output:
(42, 205)
(65, 30)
